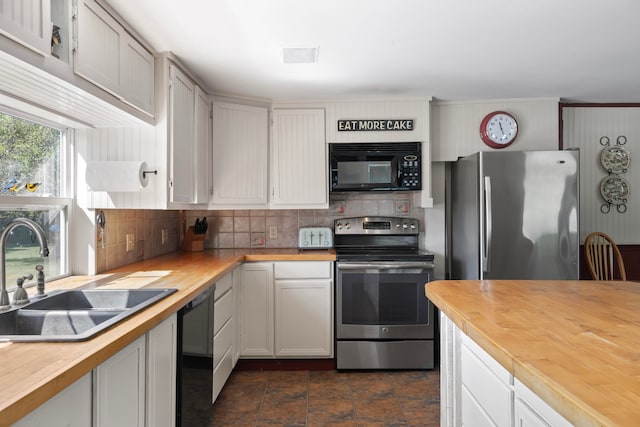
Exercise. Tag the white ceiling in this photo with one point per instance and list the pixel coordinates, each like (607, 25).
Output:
(578, 50)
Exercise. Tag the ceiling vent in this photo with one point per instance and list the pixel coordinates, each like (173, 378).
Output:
(300, 55)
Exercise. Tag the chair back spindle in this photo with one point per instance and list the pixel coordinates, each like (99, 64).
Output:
(602, 255)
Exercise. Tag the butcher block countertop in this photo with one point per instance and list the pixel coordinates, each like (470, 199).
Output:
(574, 343)
(31, 373)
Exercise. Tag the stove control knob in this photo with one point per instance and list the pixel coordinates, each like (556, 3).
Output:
(347, 225)
(413, 226)
(397, 225)
(405, 226)
(385, 330)
(339, 226)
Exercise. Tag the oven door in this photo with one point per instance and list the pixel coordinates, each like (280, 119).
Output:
(382, 300)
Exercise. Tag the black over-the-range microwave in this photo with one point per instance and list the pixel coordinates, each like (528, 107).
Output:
(392, 166)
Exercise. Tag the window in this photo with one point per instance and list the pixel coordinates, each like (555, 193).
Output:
(33, 184)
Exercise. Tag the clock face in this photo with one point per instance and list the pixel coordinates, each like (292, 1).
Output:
(498, 129)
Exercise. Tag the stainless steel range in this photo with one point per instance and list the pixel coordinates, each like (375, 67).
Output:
(383, 319)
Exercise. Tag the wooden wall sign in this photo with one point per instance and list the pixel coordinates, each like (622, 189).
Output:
(375, 125)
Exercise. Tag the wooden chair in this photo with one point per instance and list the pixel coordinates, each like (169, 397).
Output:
(602, 255)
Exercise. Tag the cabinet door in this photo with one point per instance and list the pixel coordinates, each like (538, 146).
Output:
(56, 412)
(119, 387)
(303, 313)
(161, 374)
(202, 145)
(138, 68)
(256, 310)
(181, 136)
(27, 22)
(99, 46)
(240, 136)
(299, 159)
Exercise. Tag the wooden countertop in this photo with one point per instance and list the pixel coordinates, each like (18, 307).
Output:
(31, 373)
(575, 343)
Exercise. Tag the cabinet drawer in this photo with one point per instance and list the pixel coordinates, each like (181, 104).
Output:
(223, 285)
(472, 413)
(531, 410)
(303, 269)
(492, 364)
(222, 372)
(486, 388)
(222, 311)
(221, 342)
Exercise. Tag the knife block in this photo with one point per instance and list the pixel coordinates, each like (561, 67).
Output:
(193, 242)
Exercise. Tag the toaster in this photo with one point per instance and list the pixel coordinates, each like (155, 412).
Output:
(315, 238)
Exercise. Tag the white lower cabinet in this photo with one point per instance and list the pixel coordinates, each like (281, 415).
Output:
(303, 309)
(161, 373)
(291, 316)
(119, 387)
(56, 412)
(256, 309)
(476, 390)
(138, 380)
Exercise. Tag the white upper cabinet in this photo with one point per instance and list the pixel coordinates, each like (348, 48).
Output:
(299, 159)
(138, 66)
(189, 124)
(27, 22)
(240, 138)
(106, 55)
(202, 129)
(181, 136)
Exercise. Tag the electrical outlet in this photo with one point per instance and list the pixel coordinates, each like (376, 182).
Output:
(131, 242)
(273, 232)
(165, 236)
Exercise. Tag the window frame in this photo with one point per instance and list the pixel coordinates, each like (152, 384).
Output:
(65, 201)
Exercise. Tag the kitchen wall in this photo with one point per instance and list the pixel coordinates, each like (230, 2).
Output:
(582, 128)
(145, 225)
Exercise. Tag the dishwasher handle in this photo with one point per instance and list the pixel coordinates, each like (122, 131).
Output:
(201, 298)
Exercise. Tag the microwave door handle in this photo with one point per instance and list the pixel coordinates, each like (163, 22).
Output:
(488, 225)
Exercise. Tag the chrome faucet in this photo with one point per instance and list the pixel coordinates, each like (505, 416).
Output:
(44, 251)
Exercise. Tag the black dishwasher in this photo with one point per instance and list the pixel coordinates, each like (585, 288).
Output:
(194, 375)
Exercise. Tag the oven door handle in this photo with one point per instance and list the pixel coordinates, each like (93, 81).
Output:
(379, 266)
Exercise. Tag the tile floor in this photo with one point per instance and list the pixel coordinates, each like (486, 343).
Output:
(326, 398)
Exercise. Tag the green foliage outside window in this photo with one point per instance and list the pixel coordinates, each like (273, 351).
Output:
(29, 158)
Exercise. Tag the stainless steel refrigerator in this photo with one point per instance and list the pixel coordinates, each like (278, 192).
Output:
(514, 215)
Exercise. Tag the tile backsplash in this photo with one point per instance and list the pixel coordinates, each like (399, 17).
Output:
(279, 228)
(147, 228)
(158, 232)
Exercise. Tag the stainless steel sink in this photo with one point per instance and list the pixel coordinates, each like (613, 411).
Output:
(75, 315)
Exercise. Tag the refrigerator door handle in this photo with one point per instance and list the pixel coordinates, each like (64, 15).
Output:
(488, 225)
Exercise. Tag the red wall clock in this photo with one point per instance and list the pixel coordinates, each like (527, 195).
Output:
(498, 129)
